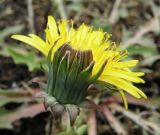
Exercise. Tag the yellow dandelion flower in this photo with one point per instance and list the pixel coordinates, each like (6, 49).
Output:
(99, 57)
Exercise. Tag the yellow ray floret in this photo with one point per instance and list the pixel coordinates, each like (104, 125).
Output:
(116, 71)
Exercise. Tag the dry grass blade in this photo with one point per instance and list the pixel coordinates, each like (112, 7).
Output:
(29, 111)
(19, 93)
(115, 124)
(92, 124)
(149, 61)
(30, 16)
(112, 18)
(15, 94)
(149, 103)
(145, 124)
(61, 8)
(149, 26)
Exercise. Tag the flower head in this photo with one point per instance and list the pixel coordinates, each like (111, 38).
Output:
(81, 57)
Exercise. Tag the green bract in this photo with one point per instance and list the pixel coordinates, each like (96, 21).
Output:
(69, 75)
(68, 80)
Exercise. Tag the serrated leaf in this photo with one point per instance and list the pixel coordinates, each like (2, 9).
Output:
(10, 30)
(142, 50)
(25, 57)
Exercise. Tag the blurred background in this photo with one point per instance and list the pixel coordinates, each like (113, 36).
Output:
(135, 24)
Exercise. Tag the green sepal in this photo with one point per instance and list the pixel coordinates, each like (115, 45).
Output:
(72, 76)
(61, 77)
(69, 75)
(82, 84)
(53, 67)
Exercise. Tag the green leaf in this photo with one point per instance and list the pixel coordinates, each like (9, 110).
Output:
(147, 42)
(25, 57)
(82, 129)
(68, 132)
(145, 51)
(10, 30)
(123, 13)
(76, 5)
(106, 26)
(3, 112)
(74, 130)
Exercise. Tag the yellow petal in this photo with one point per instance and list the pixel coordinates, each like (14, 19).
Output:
(63, 30)
(130, 76)
(122, 84)
(130, 63)
(53, 30)
(38, 44)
